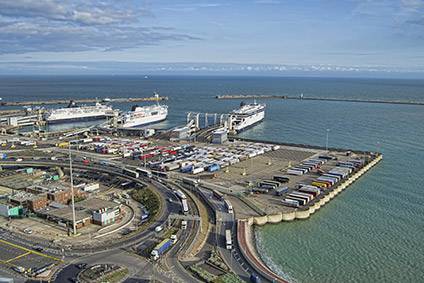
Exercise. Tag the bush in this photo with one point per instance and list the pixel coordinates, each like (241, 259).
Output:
(147, 198)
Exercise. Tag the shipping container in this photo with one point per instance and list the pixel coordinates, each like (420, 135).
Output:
(306, 196)
(228, 206)
(186, 169)
(228, 240)
(281, 190)
(301, 201)
(290, 202)
(320, 184)
(295, 172)
(144, 172)
(214, 167)
(329, 183)
(197, 170)
(254, 278)
(161, 248)
(281, 179)
(180, 194)
(315, 192)
(218, 195)
(332, 176)
(184, 206)
(332, 181)
(264, 183)
(131, 173)
(160, 174)
(190, 181)
(326, 157)
(304, 170)
(262, 190)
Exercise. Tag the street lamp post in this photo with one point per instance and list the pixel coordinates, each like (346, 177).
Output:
(326, 140)
(74, 228)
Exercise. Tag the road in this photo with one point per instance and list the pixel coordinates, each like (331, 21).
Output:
(138, 267)
(170, 259)
(224, 220)
(134, 240)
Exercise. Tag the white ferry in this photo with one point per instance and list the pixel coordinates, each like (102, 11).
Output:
(78, 113)
(144, 115)
(246, 116)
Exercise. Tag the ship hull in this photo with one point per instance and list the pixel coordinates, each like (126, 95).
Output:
(76, 119)
(145, 122)
(250, 122)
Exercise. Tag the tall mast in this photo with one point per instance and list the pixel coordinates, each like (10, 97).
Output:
(74, 228)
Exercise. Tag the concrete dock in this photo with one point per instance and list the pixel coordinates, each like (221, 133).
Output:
(250, 97)
(85, 100)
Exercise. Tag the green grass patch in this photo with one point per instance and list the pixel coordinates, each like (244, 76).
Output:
(116, 276)
(148, 198)
(228, 278)
(203, 274)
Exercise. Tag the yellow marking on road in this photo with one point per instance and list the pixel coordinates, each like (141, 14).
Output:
(17, 257)
(29, 250)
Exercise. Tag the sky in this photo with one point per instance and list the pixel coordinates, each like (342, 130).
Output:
(280, 37)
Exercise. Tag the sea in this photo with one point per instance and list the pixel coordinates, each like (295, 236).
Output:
(374, 230)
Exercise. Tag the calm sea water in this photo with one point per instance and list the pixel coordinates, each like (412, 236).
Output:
(372, 232)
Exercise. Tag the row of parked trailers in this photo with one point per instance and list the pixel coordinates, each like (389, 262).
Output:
(306, 166)
(264, 186)
(301, 196)
(305, 193)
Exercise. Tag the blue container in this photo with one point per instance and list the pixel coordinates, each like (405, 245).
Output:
(163, 248)
(254, 278)
(186, 169)
(214, 167)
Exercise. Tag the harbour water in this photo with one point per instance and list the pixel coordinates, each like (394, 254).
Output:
(373, 231)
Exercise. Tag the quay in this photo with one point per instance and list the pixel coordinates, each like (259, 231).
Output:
(405, 102)
(85, 100)
(223, 188)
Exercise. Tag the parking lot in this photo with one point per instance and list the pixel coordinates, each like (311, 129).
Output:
(15, 257)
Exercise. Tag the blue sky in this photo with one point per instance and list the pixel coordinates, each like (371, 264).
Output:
(352, 36)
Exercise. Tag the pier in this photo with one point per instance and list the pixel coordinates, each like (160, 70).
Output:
(301, 97)
(85, 100)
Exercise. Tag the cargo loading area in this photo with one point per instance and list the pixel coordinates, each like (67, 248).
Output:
(282, 178)
(259, 177)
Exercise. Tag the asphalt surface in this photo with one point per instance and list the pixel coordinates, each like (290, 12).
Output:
(225, 221)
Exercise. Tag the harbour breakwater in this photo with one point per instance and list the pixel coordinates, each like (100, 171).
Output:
(246, 226)
(250, 97)
(85, 100)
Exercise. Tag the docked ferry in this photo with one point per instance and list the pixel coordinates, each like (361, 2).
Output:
(79, 113)
(144, 115)
(246, 116)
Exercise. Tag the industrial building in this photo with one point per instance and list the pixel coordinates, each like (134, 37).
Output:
(104, 212)
(94, 210)
(10, 210)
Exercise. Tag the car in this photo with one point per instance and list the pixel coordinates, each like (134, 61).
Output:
(158, 228)
(81, 265)
(27, 231)
(170, 199)
(38, 248)
(18, 269)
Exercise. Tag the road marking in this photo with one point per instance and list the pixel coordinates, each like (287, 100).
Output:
(17, 257)
(29, 250)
